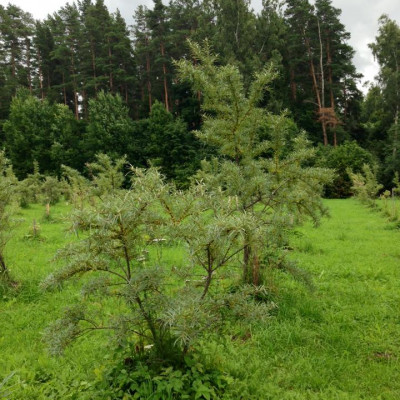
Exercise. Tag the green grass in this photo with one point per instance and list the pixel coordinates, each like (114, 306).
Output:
(340, 341)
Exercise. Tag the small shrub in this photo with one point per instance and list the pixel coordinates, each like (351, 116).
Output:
(340, 159)
(134, 377)
(365, 185)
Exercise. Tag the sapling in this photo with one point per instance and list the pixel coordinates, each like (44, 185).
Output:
(8, 194)
(160, 308)
(262, 160)
(30, 188)
(365, 185)
(106, 174)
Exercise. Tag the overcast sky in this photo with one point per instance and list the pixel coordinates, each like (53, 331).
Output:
(359, 16)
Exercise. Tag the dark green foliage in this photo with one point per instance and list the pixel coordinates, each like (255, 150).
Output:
(109, 129)
(381, 114)
(192, 380)
(82, 54)
(16, 54)
(320, 68)
(37, 130)
(340, 159)
(171, 146)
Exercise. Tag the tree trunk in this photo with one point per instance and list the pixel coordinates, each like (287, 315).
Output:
(396, 116)
(41, 78)
(110, 66)
(322, 79)
(315, 86)
(93, 66)
(3, 268)
(148, 76)
(165, 79)
(75, 89)
(64, 89)
(28, 63)
(396, 132)
(293, 86)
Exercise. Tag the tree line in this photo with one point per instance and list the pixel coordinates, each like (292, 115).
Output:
(102, 86)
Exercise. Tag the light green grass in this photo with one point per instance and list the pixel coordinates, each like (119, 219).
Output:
(341, 341)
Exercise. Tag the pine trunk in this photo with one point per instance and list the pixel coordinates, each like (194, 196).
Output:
(165, 79)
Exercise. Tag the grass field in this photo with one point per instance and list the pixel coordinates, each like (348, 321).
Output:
(339, 341)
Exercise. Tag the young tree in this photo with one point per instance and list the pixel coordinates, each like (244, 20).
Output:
(8, 186)
(109, 128)
(171, 146)
(38, 130)
(262, 157)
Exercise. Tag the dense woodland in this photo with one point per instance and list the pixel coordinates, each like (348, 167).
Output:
(82, 82)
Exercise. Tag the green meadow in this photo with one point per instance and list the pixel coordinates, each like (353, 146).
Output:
(339, 339)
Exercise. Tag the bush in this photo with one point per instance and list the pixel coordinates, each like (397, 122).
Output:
(134, 377)
(365, 185)
(340, 158)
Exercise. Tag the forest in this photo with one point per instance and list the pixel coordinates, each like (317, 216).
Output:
(203, 205)
(82, 82)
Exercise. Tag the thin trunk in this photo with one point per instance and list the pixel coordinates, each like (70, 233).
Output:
(148, 76)
(321, 66)
(315, 87)
(256, 270)
(40, 74)
(110, 66)
(246, 264)
(396, 131)
(13, 62)
(396, 116)
(3, 267)
(293, 85)
(330, 79)
(85, 104)
(94, 67)
(64, 89)
(75, 89)
(312, 73)
(165, 79)
(28, 63)
(209, 272)
(237, 23)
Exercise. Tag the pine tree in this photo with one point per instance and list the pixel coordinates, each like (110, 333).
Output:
(37, 130)
(16, 29)
(386, 49)
(262, 162)
(109, 127)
